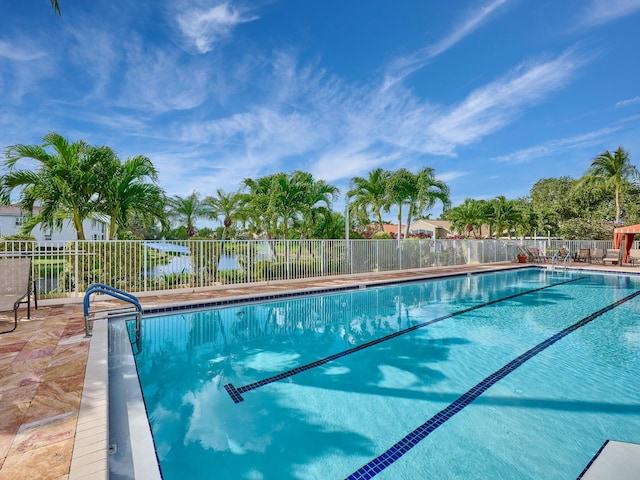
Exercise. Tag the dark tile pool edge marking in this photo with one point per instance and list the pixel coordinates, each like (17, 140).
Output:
(236, 392)
(593, 459)
(265, 297)
(382, 461)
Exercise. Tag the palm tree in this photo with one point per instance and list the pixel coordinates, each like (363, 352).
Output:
(226, 205)
(424, 192)
(256, 205)
(187, 210)
(400, 186)
(285, 199)
(467, 217)
(317, 199)
(4, 195)
(125, 189)
(63, 186)
(505, 215)
(56, 6)
(611, 170)
(370, 193)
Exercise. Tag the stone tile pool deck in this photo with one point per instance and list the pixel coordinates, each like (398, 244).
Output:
(43, 364)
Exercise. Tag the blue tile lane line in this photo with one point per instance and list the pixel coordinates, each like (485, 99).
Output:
(381, 462)
(236, 392)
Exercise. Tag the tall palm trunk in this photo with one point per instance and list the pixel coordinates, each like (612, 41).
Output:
(77, 223)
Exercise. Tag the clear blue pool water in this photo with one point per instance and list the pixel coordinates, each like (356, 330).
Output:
(544, 419)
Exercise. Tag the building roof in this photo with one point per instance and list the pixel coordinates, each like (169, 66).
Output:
(15, 209)
(393, 228)
(434, 223)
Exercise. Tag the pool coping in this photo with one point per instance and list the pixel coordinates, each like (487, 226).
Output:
(615, 459)
(90, 451)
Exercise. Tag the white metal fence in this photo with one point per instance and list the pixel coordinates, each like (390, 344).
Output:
(575, 245)
(67, 269)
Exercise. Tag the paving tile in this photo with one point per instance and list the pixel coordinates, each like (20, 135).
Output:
(44, 432)
(55, 397)
(47, 462)
(13, 379)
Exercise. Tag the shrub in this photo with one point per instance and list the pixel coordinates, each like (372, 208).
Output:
(118, 264)
(17, 243)
(227, 277)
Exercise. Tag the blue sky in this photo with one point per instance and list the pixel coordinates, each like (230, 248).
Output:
(492, 94)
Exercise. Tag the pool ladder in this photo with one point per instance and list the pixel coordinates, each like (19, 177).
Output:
(91, 315)
(556, 257)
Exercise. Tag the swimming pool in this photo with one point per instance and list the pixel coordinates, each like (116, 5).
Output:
(521, 374)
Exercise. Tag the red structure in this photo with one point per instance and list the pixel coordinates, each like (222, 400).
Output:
(626, 233)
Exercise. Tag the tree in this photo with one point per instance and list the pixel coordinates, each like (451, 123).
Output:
(277, 203)
(370, 194)
(257, 214)
(611, 170)
(424, 191)
(316, 204)
(285, 199)
(330, 226)
(527, 221)
(467, 217)
(4, 194)
(505, 215)
(581, 228)
(225, 205)
(63, 185)
(399, 190)
(128, 188)
(549, 202)
(187, 210)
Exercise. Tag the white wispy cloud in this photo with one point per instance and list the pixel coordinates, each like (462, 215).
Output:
(24, 63)
(492, 106)
(452, 175)
(18, 52)
(158, 79)
(628, 101)
(348, 162)
(555, 147)
(402, 67)
(207, 23)
(343, 130)
(602, 11)
(96, 52)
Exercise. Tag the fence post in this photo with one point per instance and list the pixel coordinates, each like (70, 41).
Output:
(75, 249)
(350, 251)
(144, 262)
(248, 250)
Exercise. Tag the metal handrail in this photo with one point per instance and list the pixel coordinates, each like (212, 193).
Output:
(565, 259)
(113, 292)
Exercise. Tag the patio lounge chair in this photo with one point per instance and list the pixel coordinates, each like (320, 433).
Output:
(634, 257)
(537, 255)
(15, 286)
(612, 256)
(583, 255)
(597, 255)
